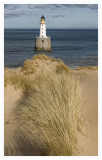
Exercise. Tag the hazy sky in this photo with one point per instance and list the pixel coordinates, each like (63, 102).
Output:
(57, 15)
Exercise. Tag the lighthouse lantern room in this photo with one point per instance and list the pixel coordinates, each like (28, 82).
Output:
(42, 27)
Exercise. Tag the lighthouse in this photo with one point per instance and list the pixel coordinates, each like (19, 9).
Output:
(43, 42)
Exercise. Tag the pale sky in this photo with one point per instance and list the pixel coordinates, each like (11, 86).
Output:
(69, 16)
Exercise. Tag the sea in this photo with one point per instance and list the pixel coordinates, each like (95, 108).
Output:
(76, 47)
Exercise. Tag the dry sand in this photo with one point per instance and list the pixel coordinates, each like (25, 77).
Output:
(12, 96)
(88, 138)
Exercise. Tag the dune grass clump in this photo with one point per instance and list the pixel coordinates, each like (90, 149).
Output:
(6, 81)
(21, 82)
(93, 68)
(28, 67)
(18, 81)
(49, 115)
(61, 67)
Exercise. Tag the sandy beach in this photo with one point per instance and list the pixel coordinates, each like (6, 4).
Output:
(87, 133)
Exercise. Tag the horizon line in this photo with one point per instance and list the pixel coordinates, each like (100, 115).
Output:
(53, 28)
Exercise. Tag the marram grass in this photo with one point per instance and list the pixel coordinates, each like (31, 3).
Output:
(18, 81)
(48, 116)
(28, 67)
(93, 68)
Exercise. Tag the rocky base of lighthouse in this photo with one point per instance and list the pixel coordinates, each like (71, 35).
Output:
(43, 44)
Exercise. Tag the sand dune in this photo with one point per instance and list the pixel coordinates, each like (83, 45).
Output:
(88, 132)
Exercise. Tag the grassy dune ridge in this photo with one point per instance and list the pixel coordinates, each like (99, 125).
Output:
(47, 117)
(24, 77)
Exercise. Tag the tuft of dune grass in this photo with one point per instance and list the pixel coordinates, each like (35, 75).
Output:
(61, 67)
(93, 68)
(28, 67)
(6, 79)
(18, 81)
(49, 115)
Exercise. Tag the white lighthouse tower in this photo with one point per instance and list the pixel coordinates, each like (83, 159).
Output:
(42, 27)
(43, 43)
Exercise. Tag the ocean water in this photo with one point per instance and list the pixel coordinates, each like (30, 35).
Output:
(74, 47)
